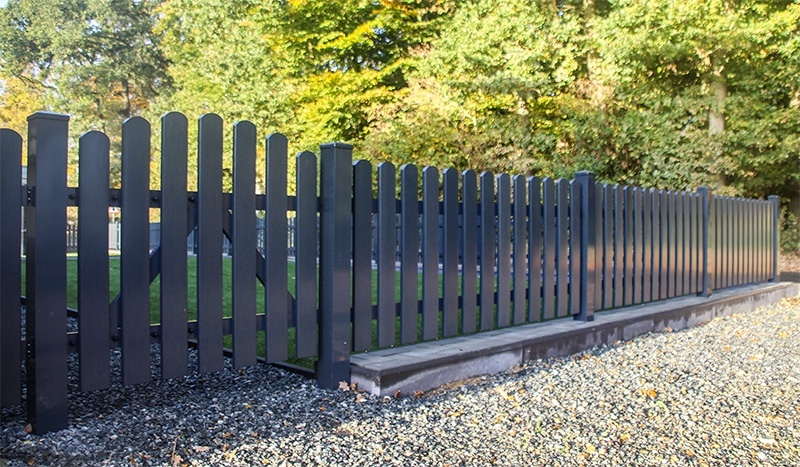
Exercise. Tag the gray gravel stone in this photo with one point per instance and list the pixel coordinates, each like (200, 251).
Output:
(725, 393)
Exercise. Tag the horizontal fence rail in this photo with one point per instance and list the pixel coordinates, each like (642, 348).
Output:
(359, 257)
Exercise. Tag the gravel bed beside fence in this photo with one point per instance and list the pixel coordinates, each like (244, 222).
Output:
(726, 393)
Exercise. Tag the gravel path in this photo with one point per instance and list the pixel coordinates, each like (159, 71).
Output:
(726, 393)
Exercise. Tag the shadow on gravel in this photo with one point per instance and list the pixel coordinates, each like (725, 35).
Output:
(790, 276)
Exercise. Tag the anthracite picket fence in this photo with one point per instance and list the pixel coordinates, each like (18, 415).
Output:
(470, 252)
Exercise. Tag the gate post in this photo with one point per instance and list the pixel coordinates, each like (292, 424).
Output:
(46, 273)
(588, 245)
(776, 228)
(336, 160)
(707, 242)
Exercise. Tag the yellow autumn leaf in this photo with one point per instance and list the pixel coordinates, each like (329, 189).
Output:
(651, 393)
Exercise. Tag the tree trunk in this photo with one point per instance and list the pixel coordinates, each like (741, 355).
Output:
(716, 111)
(719, 91)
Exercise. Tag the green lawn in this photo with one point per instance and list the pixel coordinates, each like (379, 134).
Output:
(114, 286)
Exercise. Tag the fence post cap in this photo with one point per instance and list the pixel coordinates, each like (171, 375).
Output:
(336, 145)
(49, 116)
(584, 173)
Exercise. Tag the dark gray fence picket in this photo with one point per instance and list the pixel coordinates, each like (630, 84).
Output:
(362, 255)
(409, 252)
(503, 250)
(575, 260)
(450, 253)
(665, 239)
(627, 275)
(387, 253)
(647, 245)
(549, 227)
(594, 222)
(763, 242)
(728, 256)
(430, 253)
(657, 255)
(519, 250)
(469, 240)
(562, 248)
(608, 246)
(535, 242)
(209, 244)
(737, 234)
(245, 255)
(306, 235)
(276, 286)
(10, 264)
(689, 243)
(174, 270)
(672, 242)
(638, 247)
(680, 244)
(488, 235)
(93, 275)
(46, 277)
(749, 223)
(619, 245)
(135, 255)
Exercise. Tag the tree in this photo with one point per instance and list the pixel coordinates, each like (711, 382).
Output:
(691, 74)
(18, 100)
(496, 84)
(98, 60)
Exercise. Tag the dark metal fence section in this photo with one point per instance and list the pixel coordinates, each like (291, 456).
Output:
(486, 252)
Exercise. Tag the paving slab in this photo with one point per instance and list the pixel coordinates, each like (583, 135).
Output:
(425, 366)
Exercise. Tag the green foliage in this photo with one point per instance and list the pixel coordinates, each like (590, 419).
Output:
(98, 60)
(790, 233)
(664, 94)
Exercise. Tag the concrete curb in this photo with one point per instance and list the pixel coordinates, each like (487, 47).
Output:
(427, 365)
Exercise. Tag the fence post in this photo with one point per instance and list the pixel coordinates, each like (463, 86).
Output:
(46, 274)
(707, 242)
(334, 271)
(588, 245)
(776, 228)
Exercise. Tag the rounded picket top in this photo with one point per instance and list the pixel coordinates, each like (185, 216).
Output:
(93, 145)
(362, 165)
(244, 128)
(305, 159)
(277, 138)
(174, 117)
(210, 118)
(135, 124)
(10, 144)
